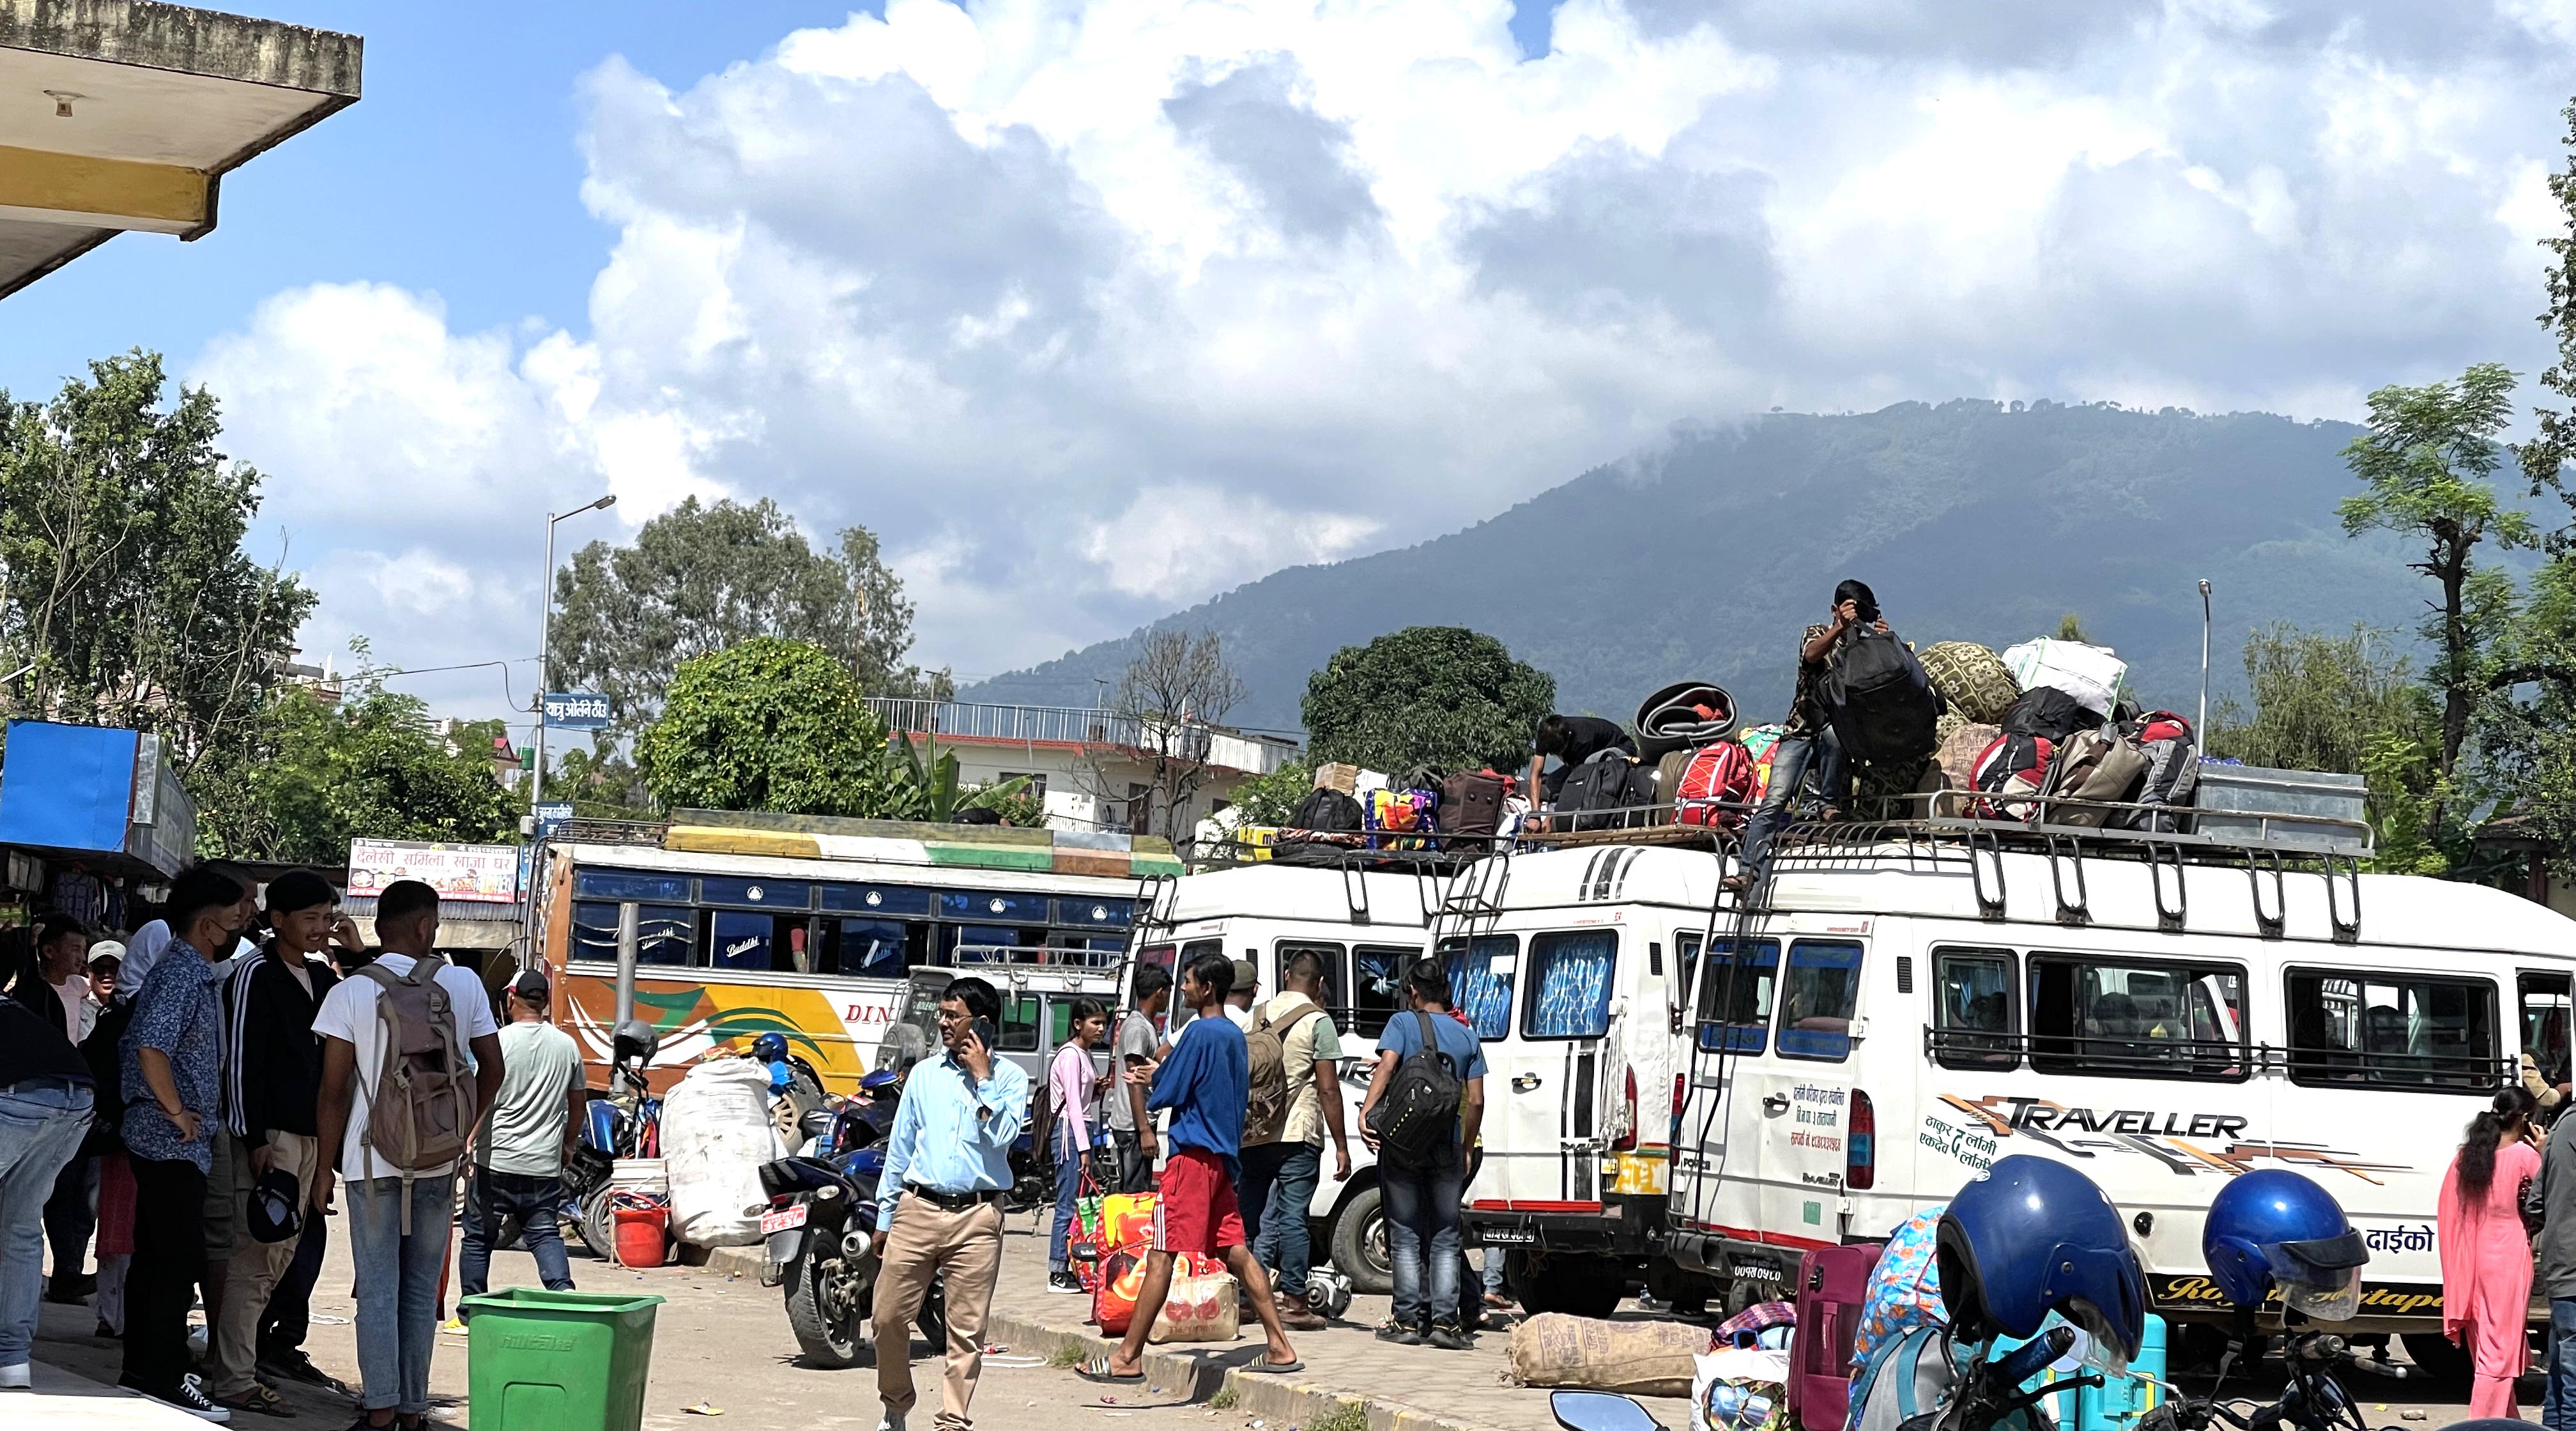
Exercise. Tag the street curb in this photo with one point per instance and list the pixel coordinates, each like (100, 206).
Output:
(1283, 1401)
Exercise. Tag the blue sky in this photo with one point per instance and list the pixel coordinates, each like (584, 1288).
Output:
(1095, 308)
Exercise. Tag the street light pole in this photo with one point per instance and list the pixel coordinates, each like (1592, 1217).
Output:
(545, 643)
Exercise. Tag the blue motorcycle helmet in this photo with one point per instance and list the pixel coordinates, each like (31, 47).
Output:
(770, 1047)
(2276, 1228)
(2032, 1237)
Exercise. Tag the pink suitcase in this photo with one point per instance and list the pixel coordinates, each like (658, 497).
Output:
(1833, 1284)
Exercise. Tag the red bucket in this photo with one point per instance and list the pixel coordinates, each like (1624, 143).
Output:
(639, 1236)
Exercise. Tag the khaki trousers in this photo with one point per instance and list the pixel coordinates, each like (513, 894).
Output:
(256, 1265)
(965, 1250)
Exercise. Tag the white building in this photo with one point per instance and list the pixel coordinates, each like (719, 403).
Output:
(1093, 769)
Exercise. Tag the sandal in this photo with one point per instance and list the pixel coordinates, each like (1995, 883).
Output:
(1097, 1369)
(260, 1398)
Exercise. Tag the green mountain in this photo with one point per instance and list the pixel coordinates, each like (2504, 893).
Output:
(1970, 520)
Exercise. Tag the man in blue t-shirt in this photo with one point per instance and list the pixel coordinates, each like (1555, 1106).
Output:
(1422, 1197)
(1206, 1082)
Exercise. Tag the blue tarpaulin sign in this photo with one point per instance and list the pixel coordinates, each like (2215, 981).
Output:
(576, 710)
(96, 792)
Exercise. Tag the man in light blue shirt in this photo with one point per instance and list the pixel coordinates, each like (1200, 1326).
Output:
(939, 1201)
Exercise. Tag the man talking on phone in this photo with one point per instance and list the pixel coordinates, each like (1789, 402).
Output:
(939, 1211)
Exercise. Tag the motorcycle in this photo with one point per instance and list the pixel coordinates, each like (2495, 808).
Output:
(822, 1221)
(2312, 1401)
(625, 1123)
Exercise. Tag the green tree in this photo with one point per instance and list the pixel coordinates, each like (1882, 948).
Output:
(1441, 696)
(2546, 454)
(314, 776)
(125, 596)
(2349, 704)
(2070, 628)
(766, 724)
(700, 579)
(1270, 799)
(2425, 464)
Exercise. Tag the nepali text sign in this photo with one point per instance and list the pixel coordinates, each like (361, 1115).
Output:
(481, 874)
(576, 710)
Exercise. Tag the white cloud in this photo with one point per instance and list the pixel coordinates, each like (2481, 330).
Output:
(1095, 309)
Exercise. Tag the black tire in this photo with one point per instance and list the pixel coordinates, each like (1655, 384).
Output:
(1359, 1244)
(598, 1229)
(829, 1338)
(1578, 1286)
(2444, 1363)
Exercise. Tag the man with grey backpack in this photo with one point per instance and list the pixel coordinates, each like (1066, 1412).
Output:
(1425, 1105)
(400, 1099)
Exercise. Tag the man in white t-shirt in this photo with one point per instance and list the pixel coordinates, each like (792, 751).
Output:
(397, 1269)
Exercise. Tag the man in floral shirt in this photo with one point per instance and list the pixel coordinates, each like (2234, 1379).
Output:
(170, 1066)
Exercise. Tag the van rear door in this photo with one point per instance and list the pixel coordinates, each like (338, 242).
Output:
(1713, 1146)
(1805, 1093)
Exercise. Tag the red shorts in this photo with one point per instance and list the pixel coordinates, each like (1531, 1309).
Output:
(1195, 1212)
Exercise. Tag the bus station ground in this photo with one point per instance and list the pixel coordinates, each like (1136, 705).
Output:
(722, 1349)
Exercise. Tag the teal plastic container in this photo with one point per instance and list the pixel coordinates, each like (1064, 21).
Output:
(557, 1361)
(2118, 1403)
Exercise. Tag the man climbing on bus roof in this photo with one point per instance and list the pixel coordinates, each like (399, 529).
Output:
(1807, 743)
(1572, 740)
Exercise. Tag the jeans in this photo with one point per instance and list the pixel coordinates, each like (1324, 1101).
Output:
(397, 1275)
(289, 1317)
(2558, 1401)
(1068, 1187)
(1422, 1236)
(1792, 760)
(1283, 1242)
(161, 1284)
(1135, 1170)
(42, 1122)
(495, 1195)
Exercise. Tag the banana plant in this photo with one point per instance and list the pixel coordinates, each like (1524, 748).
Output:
(926, 787)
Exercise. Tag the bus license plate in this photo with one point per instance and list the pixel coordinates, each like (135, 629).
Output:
(783, 1219)
(1508, 1236)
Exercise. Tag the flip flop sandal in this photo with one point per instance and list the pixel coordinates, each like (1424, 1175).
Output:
(1097, 1369)
(1274, 1368)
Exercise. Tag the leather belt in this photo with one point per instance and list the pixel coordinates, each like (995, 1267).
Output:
(951, 1201)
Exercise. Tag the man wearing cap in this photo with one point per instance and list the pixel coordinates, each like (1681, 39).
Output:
(1238, 1002)
(275, 1081)
(518, 1164)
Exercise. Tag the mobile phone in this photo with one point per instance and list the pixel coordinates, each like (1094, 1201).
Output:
(985, 1035)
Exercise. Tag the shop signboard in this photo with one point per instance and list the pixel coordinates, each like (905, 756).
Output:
(470, 874)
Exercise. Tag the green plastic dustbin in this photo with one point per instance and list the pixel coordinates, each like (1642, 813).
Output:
(557, 1361)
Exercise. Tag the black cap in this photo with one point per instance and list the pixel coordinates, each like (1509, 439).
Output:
(531, 987)
(276, 1207)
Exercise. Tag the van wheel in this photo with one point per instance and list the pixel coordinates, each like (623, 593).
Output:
(1359, 1244)
(2444, 1362)
(1578, 1286)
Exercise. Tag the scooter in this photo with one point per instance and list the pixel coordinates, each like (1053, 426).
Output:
(821, 1224)
(625, 1123)
(1984, 1397)
(2312, 1401)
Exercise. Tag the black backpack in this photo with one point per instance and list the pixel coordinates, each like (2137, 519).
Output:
(1882, 704)
(1327, 811)
(1419, 1112)
(99, 1050)
(2049, 713)
(1598, 784)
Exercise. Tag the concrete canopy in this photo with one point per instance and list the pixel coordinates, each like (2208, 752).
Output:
(123, 114)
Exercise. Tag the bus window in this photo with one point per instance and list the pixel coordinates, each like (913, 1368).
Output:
(973, 937)
(1481, 972)
(1817, 1004)
(1570, 984)
(629, 884)
(760, 893)
(873, 948)
(1021, 1016)
(664, 934)
(2544, 1025)
(742, 939)
(1329, 960)
(594, 932)
(1740, 980)
(993, 905)
(2395, 1030)
(1974, 1017)
(2126, 1017)
(877, 899)
(1377, 986)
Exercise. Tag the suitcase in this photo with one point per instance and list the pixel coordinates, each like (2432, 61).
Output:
(1472, 806)
(1833, 1284)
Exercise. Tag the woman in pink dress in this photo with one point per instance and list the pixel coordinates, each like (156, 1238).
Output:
(2486, 1255)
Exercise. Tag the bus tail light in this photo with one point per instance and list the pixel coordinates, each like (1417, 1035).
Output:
(1860, 1148)
(1626, 1142)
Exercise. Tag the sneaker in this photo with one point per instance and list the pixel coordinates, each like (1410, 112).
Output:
(261, 1399)
(453, 1327)
(189, 1396)
(1449, 1337)
(294, 1365)
(1064, 1282)
(1399, 1334)
(16, 1378)
(891, 1421)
